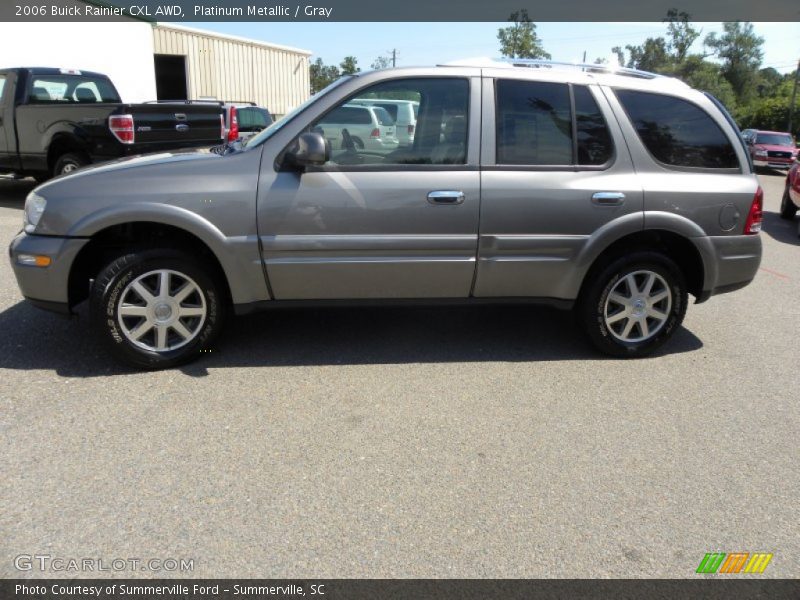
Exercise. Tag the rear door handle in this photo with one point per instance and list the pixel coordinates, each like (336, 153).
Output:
(608, 198)
(446, 197)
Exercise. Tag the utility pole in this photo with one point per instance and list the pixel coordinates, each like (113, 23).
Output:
(394, 61)
(794, 97)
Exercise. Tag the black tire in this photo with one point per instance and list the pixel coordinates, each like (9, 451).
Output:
(71, 161)
(112, 286)
(592, 305)
(788, 209)
(358, 143)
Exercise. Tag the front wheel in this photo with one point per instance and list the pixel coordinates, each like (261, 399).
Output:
(633, 305)
(788, 209)
(156, 308)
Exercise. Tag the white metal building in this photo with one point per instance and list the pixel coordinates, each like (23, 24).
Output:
(225, 67)
(164, 61)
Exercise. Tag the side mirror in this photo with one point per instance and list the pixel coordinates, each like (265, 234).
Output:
(309, 149)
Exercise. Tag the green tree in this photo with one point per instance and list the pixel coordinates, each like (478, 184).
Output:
(707, 76)
(739, 49)
(322, 75)
(520, 40)
(382, 62)
(349, 65)
(681, 35)
(650, 56)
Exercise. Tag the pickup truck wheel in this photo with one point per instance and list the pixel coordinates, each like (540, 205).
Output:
(634, 305)
(788, 209)
(69, 162)
(156, 308)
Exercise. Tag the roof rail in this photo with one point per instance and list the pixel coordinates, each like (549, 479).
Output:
(549, 64)
(537, 63)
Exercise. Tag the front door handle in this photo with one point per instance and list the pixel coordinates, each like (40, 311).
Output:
(446, 197)
(608, 198)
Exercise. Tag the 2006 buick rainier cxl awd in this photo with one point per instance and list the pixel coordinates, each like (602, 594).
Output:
(614, 193)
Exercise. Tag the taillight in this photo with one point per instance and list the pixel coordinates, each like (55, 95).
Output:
(756, 214)
(376, 133)
(410, 130)
(122, 127)
(233, 130)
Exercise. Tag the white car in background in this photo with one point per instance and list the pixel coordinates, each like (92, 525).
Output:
(404, 113)
(368, 128)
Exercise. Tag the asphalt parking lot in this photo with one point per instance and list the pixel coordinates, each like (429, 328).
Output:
(424, 442)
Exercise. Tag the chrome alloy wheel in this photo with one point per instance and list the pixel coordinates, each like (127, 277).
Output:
(161, 310)
(69, 168)
(638, 306)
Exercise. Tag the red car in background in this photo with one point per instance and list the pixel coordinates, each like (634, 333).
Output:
(790, 203)
(772, 149)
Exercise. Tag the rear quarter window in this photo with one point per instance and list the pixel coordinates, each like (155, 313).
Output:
(2, 86)
(384, 118)
(677, 132)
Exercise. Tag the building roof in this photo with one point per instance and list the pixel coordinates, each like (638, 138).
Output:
(234, 38)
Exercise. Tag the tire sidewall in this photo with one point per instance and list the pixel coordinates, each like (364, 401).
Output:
(788, 208)
(598, 294)
(106, 309)
(69, 159)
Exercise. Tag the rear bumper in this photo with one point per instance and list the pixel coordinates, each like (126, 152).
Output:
(731, 262)
(45, 287)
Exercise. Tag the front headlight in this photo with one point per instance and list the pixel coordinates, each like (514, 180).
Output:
(34, 209)
(761, 152)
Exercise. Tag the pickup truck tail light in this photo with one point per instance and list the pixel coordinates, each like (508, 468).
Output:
(233, 131)
(754, 217)
(122, 128)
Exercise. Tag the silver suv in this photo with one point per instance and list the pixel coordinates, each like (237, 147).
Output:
(616, 194)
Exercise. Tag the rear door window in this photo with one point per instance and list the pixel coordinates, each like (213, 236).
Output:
(535, 125)
(677, 132)
(593, 138)
(383, 116)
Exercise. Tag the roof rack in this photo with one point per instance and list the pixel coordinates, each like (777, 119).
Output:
(549, 64)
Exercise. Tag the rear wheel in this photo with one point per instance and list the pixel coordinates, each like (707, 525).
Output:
(69, 162)
(633, 305)
(788, 209)
(156, 308)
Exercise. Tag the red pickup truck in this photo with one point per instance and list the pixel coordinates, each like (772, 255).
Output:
(772, 149)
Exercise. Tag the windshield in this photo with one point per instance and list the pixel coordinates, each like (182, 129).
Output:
(267, 133)
(774, 139)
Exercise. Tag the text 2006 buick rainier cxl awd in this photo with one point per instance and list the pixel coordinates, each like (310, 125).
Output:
(614, 193)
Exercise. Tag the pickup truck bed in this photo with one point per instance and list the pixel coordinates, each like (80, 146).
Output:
(52, 121)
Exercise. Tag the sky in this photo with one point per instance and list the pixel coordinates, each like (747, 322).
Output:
(421, 44)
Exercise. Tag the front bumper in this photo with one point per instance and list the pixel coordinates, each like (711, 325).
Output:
(774, 163)
(46, 287)
(731, 262)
